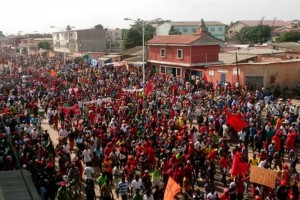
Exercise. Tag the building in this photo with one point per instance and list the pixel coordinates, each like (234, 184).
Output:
(31, 44)
(114, 39)
(283, 73)
(238, 25)
(175, 55)
(86, 40)
(291, 49)
(215, 28)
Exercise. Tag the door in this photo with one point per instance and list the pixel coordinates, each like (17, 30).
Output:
(172, 71)
(256, 82)
(223, 77)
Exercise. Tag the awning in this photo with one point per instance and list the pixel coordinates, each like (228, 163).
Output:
(138, 64)
(12, 186)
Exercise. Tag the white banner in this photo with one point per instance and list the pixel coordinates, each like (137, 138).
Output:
(98, 101)
(132, 90)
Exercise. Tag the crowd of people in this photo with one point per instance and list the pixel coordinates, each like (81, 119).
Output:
(120, 140)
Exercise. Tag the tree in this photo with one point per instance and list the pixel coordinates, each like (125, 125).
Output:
(174, 31)
(44, 45)
(1, 34)
(69, 28)
(291, 36)
(241, 36)
(134, 36)
(99, 26)
(259, 34)
(253, 35)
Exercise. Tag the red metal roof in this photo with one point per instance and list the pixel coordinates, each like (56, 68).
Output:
(174, 39)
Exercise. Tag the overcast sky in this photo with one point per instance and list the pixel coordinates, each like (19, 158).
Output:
(38, 15)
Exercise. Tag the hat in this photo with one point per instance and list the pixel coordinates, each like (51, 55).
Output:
(283, 182)
(225, 190)
(232, 185)
(63, 183)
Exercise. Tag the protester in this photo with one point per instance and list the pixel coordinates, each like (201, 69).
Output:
(181, 128)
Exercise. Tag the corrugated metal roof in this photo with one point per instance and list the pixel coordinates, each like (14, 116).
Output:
(12, 186)
(174, 39)
(265, 22)
(229, 58)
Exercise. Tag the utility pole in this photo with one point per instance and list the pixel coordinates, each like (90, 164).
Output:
(237, 69)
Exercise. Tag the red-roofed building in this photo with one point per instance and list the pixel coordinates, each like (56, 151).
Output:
(176, 55)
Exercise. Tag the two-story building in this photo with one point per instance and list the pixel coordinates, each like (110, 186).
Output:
(86, 40)
(182, 55)
(114, 39)
(215, 28)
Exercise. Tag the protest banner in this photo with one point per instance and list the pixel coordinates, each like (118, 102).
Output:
(263, 176)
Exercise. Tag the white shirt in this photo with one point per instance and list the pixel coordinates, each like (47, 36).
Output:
(87, 155)
(89, 171)
(136, 184)
(63, 133)
(262, 163)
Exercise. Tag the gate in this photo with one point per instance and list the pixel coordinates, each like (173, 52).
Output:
(256, 82)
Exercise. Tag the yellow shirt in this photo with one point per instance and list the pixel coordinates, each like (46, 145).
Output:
(254, 162)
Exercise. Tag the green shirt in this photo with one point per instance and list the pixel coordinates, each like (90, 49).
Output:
(63, 194)
(101, 180)
(137, 197)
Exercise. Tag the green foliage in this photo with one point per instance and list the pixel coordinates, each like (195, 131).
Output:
(134, 36)
(254, 35)
(291, 36)
(1, 34)
(241, 36)
(174, 31)
(44, 45)
(259, 34)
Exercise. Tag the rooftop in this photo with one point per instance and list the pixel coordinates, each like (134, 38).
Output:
(256, 51)
(196, 23)
(265, 22)
(229, 58)
(174, 39)
(289, 46)
(12, 186)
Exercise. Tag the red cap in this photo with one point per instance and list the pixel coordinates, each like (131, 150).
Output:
(63, 183)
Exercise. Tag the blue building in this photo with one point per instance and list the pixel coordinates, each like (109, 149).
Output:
(215, 28)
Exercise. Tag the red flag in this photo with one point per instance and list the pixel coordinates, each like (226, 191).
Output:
(148, 88)
(235, 164)
(171, 190)
(243, 167)
(205, 77)
(235, 121)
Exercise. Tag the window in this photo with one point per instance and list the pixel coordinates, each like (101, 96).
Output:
(177, 29)
(179, 53)
(178, 72)
(163, 53)
(162, 69)
(57, 44)
(220, 29)
(212, 29)
(193, 30)
(185, 30)
(116, 34)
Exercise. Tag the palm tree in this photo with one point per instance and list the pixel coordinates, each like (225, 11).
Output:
(241, 36)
